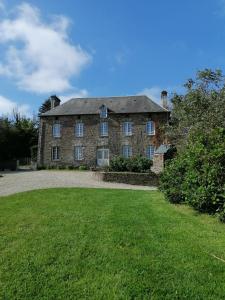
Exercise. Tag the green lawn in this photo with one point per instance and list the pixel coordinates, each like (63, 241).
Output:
(107, 244)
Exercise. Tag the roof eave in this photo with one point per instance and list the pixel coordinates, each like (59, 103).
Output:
(114, 113)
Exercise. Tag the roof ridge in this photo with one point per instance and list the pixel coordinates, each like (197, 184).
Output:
(104, 97)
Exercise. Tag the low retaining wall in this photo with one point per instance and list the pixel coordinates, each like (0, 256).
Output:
(148, 179)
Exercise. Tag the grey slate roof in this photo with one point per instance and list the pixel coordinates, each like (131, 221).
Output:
(85, 106)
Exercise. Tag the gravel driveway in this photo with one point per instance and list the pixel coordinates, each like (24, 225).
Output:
(14, 182)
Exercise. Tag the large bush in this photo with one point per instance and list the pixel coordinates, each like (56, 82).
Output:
(137, 164)
(118, 164)
(196, 127)
(197, 175)
(205, 178)
(172, 179)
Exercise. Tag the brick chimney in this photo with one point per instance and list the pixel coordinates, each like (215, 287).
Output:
(55, 101)
(164, 100)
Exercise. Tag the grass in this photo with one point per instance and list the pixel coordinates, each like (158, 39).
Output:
(107, 244)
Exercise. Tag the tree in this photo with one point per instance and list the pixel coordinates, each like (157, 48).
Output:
(46, 105)
(197, 127)
(200, 109)
(17, 136)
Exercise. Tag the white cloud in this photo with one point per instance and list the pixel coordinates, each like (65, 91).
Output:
(40, 56)
(153, 93)
(77, 94)
(7, 107)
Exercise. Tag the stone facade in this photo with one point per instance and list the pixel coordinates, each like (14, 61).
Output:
(91, 141)
(158, 163)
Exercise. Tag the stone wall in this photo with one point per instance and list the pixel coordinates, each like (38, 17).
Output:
(148, 179)
(92, 139)
(158, 163)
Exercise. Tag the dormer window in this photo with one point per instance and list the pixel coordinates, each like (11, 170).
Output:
(103, 112)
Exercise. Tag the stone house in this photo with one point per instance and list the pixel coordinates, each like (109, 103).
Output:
(90, 131)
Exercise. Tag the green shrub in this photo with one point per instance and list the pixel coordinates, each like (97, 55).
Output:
(205, 177)
(50, 167)
(172, 179)
(137, 164)
(105, 169)
(222, 214)
(41, 167)
(61, 167)
(83, 168)
(197, 175)
(71, 168)
(118, 164)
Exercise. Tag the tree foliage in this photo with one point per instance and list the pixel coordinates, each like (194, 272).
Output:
(197, 174)
(46, 106)
(17, 136)
(200, 109)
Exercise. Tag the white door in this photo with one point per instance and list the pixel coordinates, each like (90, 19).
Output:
(102, 157)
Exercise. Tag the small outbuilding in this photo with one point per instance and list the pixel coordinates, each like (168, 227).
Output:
(159, 158)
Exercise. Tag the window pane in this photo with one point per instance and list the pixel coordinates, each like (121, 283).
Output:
(127, 128)
(79, 153)
(150, 151)
(106, 154)
(150, 128)
(55, 153)
(103, 112)
(79, 129)
(127, 151)
(99, 154)
(104, 128)
(56, 130)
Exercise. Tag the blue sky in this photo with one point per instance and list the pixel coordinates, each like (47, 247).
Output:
(75, 48)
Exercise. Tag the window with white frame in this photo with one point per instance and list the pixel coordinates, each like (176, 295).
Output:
(127, 128)
(104, 129)
(78, 152)
(55, 153)
(79, 129)
(56, 130)
(103, 112)
(150, 150)
(127, 151)
(150, 128)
